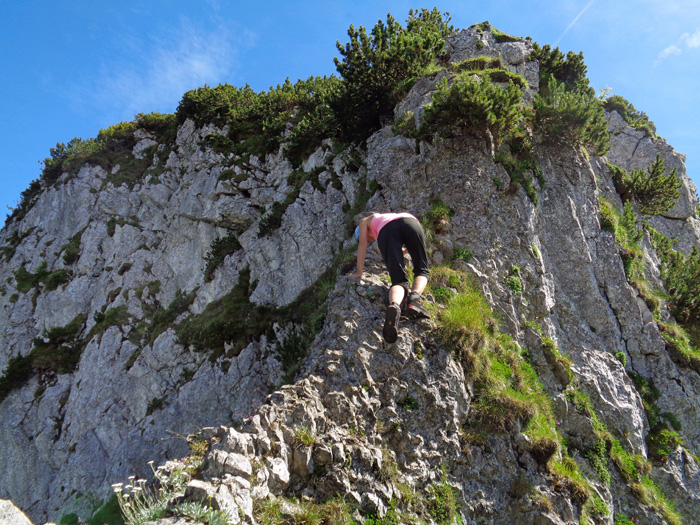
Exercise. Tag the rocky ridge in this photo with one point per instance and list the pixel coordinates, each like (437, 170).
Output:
(141, 245)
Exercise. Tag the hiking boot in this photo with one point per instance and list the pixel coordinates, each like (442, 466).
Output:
(391, 323)
(415, 308)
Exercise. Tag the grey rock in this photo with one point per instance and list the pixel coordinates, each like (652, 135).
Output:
(75, 433)
(279, 474)
(238, 465)
(11, 515)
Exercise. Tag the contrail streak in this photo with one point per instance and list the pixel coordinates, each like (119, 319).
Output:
(574, 22)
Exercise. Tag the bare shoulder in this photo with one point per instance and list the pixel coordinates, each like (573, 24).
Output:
(367, 220)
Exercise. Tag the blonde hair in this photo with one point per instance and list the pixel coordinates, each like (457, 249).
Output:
(361, 216)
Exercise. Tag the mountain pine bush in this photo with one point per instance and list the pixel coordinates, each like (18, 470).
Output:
(380, 67)
(653, 190)
(472, 106)
(574, 117)
(569, 70)
(636, 119)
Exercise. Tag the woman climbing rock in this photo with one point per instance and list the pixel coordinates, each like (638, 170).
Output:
(395, 232)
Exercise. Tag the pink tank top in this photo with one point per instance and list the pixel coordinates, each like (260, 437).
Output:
(382, 219)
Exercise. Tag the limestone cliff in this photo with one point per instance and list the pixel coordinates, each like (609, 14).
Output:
(124, 277)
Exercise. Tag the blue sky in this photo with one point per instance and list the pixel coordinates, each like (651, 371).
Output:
(74, 67)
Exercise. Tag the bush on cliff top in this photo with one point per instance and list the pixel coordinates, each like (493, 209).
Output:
(472, 105)
(569, 70)
(637, 119)
(378, 69)
(571, 116)
(111, 145)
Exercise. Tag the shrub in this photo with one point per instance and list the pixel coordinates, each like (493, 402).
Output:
(217, 324)
(624, 228)
(681, 276)
(58, 350)
(637, 119)
(220, 248)
(569, 70)
(12, 241)
(514, 282)
(162, 319)
(654, 191)
(516, 171)
(17, 373)
(472, 106)
(291, 352)
(572, 117)
(26, 280)
(380, 67)
(56, 279)
(115, 316)
(112, 146)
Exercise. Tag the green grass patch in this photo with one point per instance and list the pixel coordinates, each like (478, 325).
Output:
(623, 226)
(442, 502)
(58, 350)
(508, 393)
(437, 220)
(233, 321)
(679, 346)
(42, 280)
(113, 221)
(523, 172)
(514, 281)
(71, 250)
(649, 493)
(498, 35)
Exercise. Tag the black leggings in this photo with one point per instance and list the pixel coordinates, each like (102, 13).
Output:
(393, 237)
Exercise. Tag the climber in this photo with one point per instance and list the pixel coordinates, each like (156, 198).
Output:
(393, 231)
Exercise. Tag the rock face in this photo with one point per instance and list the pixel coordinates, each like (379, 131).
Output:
(11, 515)
(145, 246)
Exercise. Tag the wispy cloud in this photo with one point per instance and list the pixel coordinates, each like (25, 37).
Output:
(670, 50)
(691, 40)
(152, 74)
(685, 42)
(573, 22)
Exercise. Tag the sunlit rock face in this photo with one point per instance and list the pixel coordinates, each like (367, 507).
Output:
(143, 270)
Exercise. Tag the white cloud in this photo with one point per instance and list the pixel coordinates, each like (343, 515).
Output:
(153, 74)
(686, 41)
(692, 41)
(670, 50)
